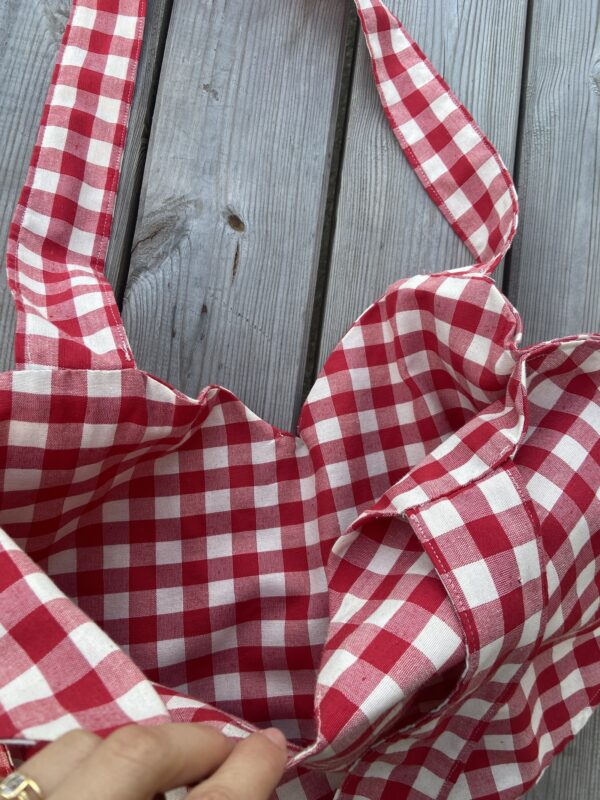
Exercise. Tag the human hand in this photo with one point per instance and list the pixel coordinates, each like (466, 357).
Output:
(138, 762)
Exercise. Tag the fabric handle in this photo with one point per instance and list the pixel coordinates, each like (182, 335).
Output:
(457, 164)
(67, 316)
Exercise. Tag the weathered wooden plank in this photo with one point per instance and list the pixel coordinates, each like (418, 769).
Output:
(574, 775)
(225, 252)
(30, 36)
(554, 277)
(387, 227)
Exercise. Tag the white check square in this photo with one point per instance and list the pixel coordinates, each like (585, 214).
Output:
(73, 56)
(217, 501)
(500, 493)
(54, 137)
(338, 474)
(91, 641)
(169, 600)
(64, 95)
(266, 496)
(272, 584)
(434, 168)
(98, 434)
(35, 222)
(477, 583)
(467, 138)
(88, 302)
(126, 26)
(420, 74)
(117, 67)
(27, 434)
(45, 181)
(570, 451)
(488, 171)
(390, 93)
(167, 507)
(437, 641)
(411, 131)
(221, 592)
(443, 106)
(268, 540)
(338, 662)
(398, 40)
(108, 109)
(458, 204)
(101, 341)
(328, 430)
(219, 545)
(82, 242)
(169, 552)
(227, 687)
(99, 153)
(83, 17)
(441, 517)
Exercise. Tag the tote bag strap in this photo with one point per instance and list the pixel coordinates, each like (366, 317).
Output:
(459, 167)
(67, 316)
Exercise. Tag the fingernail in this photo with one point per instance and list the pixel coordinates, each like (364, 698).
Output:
(276, 736)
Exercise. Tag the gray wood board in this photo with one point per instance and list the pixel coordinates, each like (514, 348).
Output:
(30, 35)
(225, 255)
(554, 276)
(387, 227)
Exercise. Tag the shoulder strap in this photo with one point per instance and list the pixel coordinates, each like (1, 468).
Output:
(459, 167)
(66, 312)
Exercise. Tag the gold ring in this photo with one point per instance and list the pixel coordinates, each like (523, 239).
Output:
(17, 786)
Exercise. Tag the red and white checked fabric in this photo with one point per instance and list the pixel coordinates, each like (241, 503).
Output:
(408, 585)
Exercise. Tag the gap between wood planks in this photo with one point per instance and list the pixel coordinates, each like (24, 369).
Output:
(330, 214)
(508, 277)
(119, 255)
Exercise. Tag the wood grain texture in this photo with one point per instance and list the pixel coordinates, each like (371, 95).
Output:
(30, 35)
(223, 267)
(387, 227)
(554, 275)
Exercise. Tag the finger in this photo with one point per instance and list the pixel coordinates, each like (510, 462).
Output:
(136, 762)
(50, 766)
(253, 770)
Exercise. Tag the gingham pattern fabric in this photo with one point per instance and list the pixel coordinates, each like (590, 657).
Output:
(408, 586)
(66, 312)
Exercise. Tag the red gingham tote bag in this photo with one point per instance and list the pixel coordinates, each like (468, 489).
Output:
(407, 585)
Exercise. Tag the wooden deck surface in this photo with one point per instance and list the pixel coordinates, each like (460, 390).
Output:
(264, 201)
